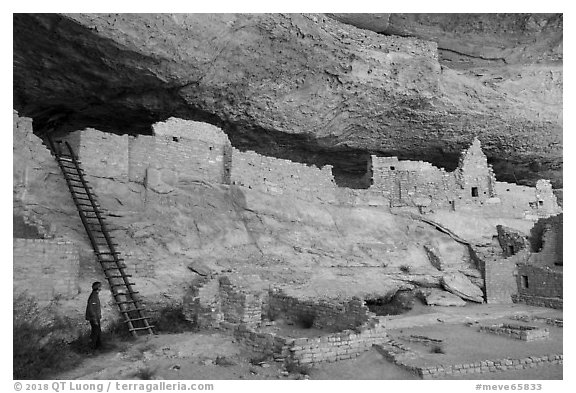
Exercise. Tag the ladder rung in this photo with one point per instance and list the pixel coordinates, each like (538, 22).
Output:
(135, 319)
(126, 301)
(95, 217)
(68, 158)
(123, 284)
(141, 328)
(113, 268)
(82, 186)
(120, 276)
(65, 164)
(107, 253)
(137, 309)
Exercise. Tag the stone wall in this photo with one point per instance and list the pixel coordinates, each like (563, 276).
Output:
(546, 203)
(103, 155)
(238, 305)
(500, 278)
(325, 315)
(550, 240)
(201, 151)
(46, 268)
(539, 285)
(194, 158)
(343, 345)
(282, 177)
(412, 183)
(401, 355)
(489, 366)
(474, 176)
(518, 332)
(201, 304)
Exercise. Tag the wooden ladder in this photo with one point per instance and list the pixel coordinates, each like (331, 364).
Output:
(102, 243)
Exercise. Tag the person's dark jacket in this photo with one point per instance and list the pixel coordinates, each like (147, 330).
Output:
(93, 312)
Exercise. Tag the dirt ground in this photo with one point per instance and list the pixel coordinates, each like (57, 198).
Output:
(216, 355)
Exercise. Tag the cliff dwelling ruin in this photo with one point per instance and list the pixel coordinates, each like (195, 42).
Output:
(282, 238)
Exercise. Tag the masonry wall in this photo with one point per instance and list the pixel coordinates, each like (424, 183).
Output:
(500, 279)
(282, 177)
(343, 345)
(546, 203)
(46, 268)
(552, 251)
(330, 316)
(239, 306)
(474, 176)
(102, 154)
(200, 159)
(542, 281)
(408, 183)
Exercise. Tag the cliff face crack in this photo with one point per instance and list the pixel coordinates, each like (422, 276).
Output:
(500, 59)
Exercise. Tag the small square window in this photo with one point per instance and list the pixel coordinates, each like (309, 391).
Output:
(541, 203)
(392, 168)
(474, 192)
(175, 139)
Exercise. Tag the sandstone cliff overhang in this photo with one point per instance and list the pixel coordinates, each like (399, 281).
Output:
(305, 87)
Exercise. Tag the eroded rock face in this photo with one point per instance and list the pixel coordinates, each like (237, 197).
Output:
(307, 87)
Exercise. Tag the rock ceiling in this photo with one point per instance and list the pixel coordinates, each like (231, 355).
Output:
(314, 88)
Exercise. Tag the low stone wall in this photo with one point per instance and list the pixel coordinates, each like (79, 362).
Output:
(334, 316)
(329, 348)
(403, 356)
(336, 346)
(539, 301)
(489, 366)
(519, 332)
(239, 306)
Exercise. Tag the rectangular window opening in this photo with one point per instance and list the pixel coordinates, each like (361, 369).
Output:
(474, 192)
(524, 281)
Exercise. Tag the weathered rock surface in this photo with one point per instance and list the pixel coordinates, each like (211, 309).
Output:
(307, 87)
(460, 285)
(200, 268)
(437, 297)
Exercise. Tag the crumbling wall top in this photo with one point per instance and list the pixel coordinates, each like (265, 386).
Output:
(189, 129)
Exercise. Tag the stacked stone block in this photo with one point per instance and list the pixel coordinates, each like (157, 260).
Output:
(500, 278)
(238, 305)
(519, 332)
(46, 268)
(489, 366)
(283, 177)
(337, 346)
(326, 315)
(474, 176)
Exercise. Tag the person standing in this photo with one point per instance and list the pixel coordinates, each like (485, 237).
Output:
(93, 315)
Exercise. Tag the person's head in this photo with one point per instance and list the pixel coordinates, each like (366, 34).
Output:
(96, 286)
